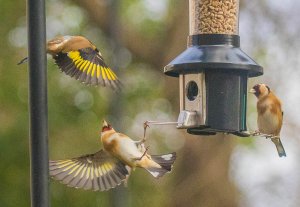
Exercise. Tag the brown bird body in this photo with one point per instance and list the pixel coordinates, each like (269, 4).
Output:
(66, 44)
(269, 107)
(134, 154)
(270, 115)
(77, 57)
(112, 165)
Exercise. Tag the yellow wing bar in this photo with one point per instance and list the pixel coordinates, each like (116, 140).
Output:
(90, 67)
(98, 172)
(87, 65)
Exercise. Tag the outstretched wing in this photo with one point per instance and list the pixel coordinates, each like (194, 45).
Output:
(98, 172)
(88, 66)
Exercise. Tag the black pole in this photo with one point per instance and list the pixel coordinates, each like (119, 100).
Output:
(119, 196)
(38, 103)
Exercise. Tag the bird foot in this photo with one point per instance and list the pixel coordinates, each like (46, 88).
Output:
(256, 133)
(269, 136)
(146, 125)
(142, 141)
(273, 137)
(140, 158)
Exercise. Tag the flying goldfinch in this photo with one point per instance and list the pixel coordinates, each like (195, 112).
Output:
(77, 57)
(112, 165)
(269, 119)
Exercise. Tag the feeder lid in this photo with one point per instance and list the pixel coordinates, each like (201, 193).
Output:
(207, 52)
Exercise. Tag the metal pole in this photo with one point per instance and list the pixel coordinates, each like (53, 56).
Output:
(38, 103)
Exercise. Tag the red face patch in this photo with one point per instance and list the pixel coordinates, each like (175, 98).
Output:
(106, 128)
(257, 91)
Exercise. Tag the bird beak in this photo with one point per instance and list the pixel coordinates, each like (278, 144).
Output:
(104, 123)
(252, 90)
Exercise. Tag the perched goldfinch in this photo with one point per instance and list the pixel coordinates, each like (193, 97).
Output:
(269, 119)
(112, 165)
(77, 57)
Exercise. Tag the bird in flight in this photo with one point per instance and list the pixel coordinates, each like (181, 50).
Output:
(112, 165)
(79, 58)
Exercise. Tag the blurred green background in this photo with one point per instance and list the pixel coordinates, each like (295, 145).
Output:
(138, 38)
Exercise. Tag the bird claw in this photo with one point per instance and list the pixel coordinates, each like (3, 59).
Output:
(146, 124)
(143, 155)
(142, 141)
(273, 137)
(267, 136)
(256, 133)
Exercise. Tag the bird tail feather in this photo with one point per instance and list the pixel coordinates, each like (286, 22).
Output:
(165, 161)
(279, 147)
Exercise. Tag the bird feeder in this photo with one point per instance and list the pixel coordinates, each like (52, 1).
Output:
(213, 71)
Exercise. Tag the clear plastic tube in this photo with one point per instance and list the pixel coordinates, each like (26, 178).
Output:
(214, 17)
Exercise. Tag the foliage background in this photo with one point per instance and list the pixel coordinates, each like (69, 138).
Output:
(138, 38)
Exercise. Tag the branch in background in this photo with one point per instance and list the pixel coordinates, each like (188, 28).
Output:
(145, 49)
(139, 46)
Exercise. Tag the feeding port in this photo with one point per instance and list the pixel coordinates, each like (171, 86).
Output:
(213, 71)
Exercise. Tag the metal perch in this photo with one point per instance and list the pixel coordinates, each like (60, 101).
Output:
(267, 136)
(255, 133)
(148, 123)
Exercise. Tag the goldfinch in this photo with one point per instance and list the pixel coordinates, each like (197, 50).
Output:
(112, 165)
(77, 57)
(269, 119)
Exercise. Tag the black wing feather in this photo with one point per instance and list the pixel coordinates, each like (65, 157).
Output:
(88, 66)
(93, 171)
